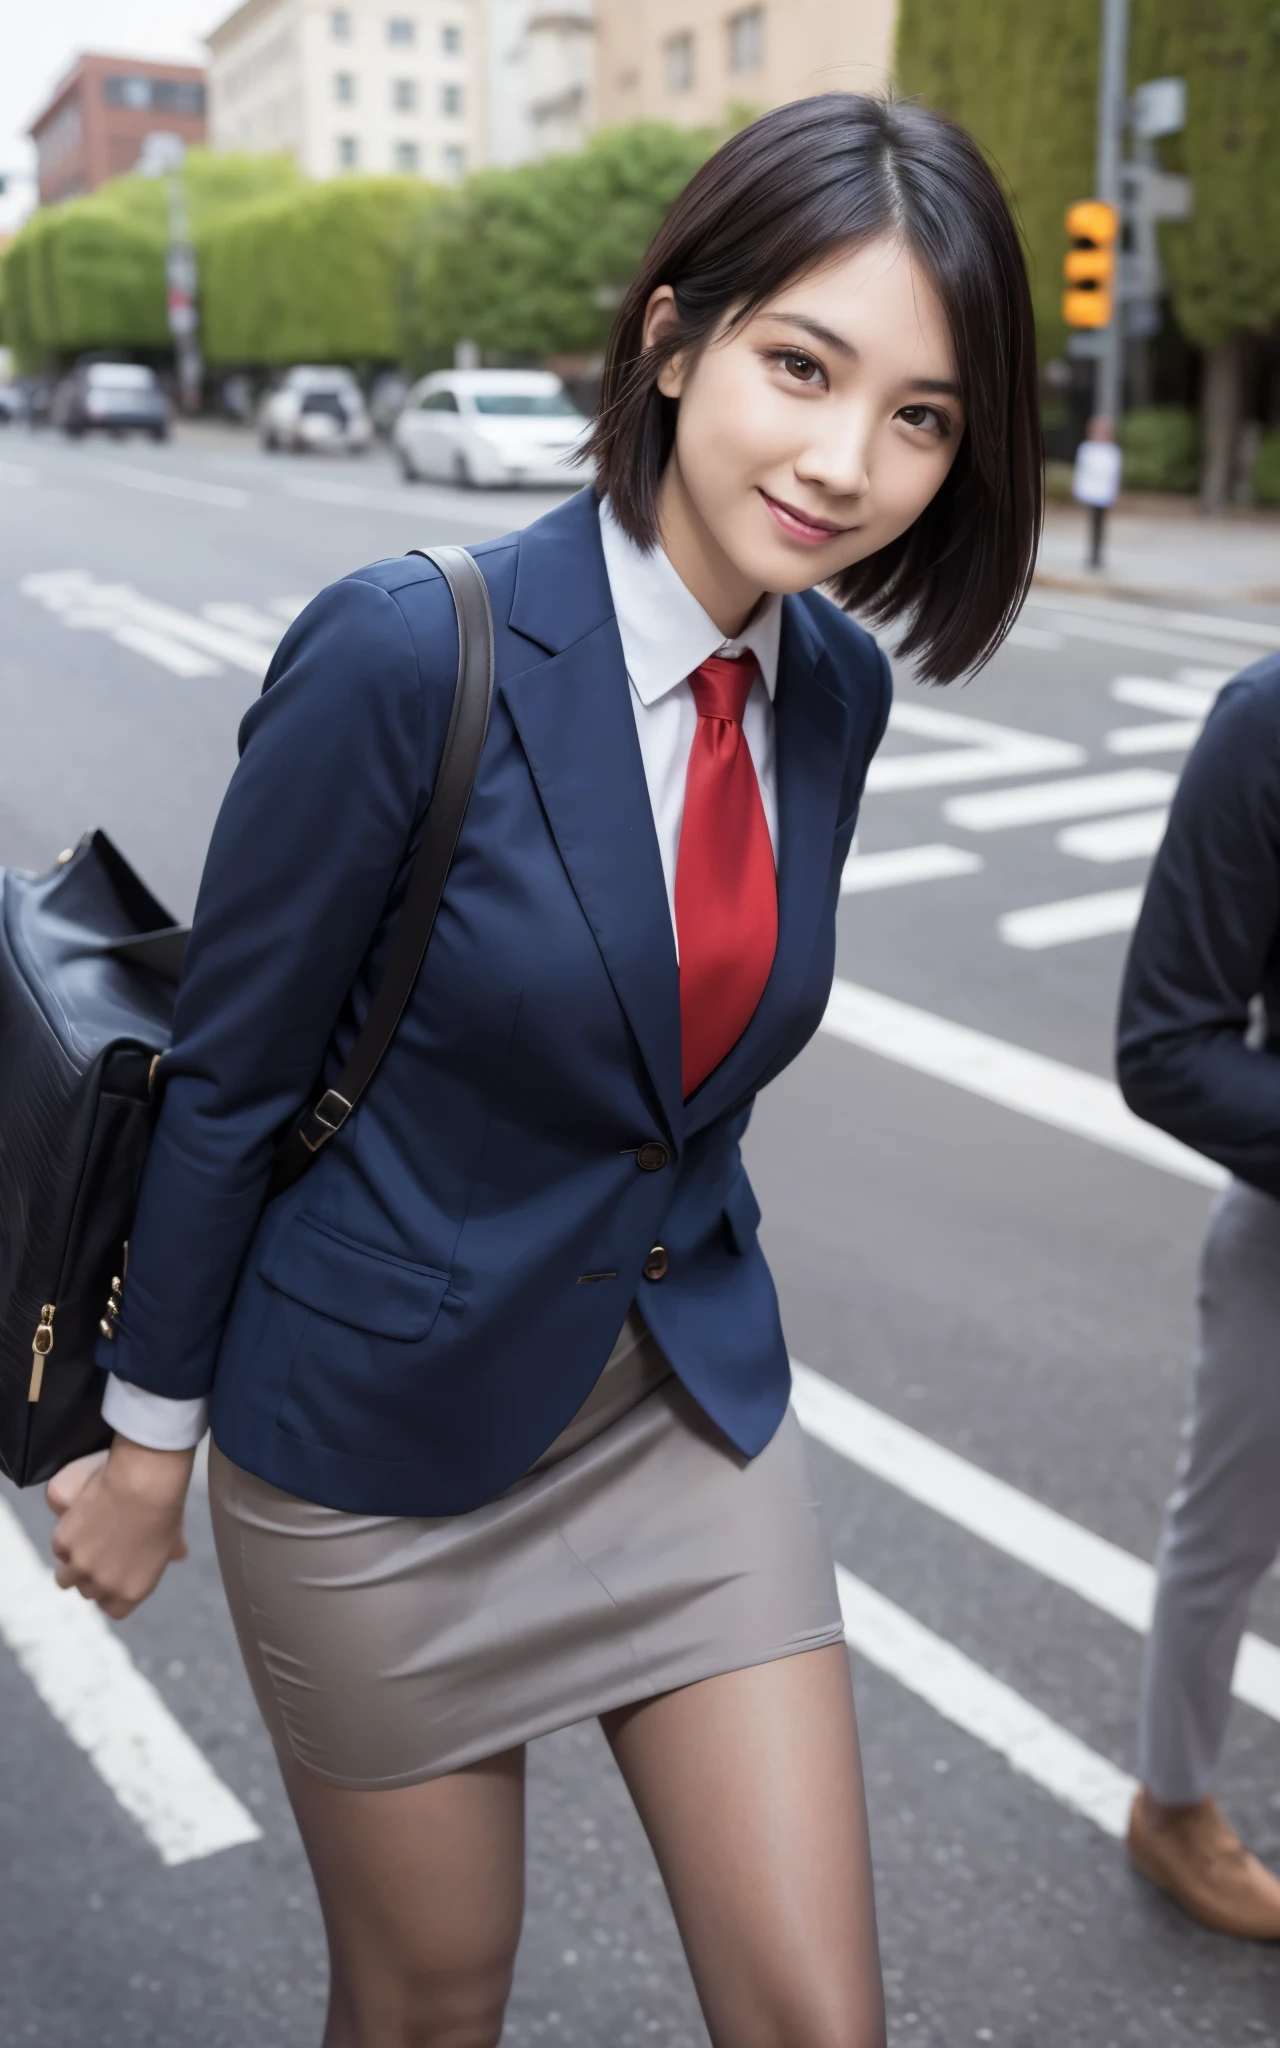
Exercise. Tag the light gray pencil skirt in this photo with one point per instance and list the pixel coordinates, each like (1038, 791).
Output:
(641, 1552)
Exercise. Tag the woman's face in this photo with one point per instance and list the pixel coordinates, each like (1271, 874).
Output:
(817, 431)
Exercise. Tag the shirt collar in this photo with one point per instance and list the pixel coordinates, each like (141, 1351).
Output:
(664, 631)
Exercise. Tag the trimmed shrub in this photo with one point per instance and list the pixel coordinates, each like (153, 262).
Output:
(320, 276)
(1266, 469)
(533, 261)
(1161, 446)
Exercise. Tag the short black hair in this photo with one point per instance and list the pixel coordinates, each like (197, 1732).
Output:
(779, 198)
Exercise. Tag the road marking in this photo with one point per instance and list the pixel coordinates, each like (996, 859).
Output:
(288, 608)
(1108, 1578)
(161, 631)
(867, 871)
(1076, 917)
(975, 750)
(90, 1684)
(1107, 839)
(1051, 1092)
(1144, 639)
(1175, 736)
(1038, 803)
(17, 473)
(1175, 700)
(228, 496)
(984, 1707)
(1252, 632)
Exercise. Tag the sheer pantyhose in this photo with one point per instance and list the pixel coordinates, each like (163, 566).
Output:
(750, 1789)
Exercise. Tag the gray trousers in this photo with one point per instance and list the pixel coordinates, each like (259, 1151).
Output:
(1222, 1525)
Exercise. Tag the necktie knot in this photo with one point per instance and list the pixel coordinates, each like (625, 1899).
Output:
(721, 685)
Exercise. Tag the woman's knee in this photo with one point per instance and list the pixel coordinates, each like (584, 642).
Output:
(421, 2010)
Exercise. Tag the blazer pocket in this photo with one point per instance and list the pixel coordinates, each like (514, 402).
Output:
(353, 1283)
(741, 1214)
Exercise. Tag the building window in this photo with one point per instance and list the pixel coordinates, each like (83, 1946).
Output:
(746, 40)
(404, 95)
(451, 39)
(679, 53)
(401, 30)
(406, 156)
(159, 95)
(451, 99)
(455, 161)
(348, 153)
(340, 25)
(344, 86)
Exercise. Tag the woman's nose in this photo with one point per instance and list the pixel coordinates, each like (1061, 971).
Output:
(839, 461)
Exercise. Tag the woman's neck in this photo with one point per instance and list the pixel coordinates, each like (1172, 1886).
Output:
(727, 597)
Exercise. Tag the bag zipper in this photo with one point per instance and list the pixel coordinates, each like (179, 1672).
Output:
(41, 1346)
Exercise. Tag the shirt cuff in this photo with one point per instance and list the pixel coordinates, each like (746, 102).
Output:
(153, 1420)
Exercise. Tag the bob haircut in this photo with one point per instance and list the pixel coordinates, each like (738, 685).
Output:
(798, 188)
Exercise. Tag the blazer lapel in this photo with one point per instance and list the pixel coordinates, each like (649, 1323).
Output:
(812, 735)
(574, 717)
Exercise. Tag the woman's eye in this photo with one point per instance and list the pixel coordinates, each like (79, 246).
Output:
(800, 366)
(926, 416)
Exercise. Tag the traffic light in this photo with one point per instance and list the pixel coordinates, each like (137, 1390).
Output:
(1089, 266)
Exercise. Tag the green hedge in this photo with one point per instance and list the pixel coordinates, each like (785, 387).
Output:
(90, 272)
(321, 276)
(1161, 446)
(532, 261)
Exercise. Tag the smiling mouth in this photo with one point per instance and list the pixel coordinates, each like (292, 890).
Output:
(802, 526)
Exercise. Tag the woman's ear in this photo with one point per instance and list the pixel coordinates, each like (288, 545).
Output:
(661, 322)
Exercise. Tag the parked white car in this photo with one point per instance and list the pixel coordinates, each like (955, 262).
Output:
(490, 427)
(316, 408)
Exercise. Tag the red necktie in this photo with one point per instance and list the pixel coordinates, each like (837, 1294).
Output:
(726, 887)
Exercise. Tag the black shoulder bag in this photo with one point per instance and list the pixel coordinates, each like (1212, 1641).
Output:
(89, 965)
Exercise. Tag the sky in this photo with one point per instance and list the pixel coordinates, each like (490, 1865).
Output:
(40, 39)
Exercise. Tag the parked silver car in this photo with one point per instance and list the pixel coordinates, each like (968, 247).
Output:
(490, 427)
(316, 408)
(111, 398)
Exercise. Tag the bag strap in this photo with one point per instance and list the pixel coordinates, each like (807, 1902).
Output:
(468, 723)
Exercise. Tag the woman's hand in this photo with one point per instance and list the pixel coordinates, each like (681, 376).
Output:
(120, 1522)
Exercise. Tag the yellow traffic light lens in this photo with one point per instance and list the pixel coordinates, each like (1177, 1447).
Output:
(1092, 220)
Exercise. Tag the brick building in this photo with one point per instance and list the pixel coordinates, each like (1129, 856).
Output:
(93, 126)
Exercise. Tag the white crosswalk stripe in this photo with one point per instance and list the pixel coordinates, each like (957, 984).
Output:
(1042, 803)
(1074, 918)
(973, 750)
(187, 644)
(1109, 839)
(864, 872)
(1173, 736)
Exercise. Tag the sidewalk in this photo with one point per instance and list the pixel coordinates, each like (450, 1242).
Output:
(1167, 550)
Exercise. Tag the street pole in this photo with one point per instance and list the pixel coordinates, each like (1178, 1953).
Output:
(164, 156)
(1108, 389)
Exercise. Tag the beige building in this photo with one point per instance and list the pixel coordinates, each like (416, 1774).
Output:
(696, 61)
(374, 85)
(542, 78)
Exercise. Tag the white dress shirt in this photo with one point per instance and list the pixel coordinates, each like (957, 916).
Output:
(665, 634)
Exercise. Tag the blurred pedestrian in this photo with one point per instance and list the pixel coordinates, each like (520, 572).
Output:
(1199, 1054)
(499, 1391)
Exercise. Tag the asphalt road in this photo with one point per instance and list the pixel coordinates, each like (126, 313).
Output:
(1010, 1284)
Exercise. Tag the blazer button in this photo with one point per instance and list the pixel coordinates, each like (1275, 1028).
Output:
(652, 1156)
(655, 1266)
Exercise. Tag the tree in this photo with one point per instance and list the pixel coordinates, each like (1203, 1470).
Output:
(532, 261)
(1224, 263)
(1025, 81)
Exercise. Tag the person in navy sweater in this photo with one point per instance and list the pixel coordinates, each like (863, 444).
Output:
(499, 1391)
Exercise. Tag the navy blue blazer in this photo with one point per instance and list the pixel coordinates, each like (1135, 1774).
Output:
(411, 1325)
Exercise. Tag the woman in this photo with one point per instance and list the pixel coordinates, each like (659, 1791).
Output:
(449, 1515)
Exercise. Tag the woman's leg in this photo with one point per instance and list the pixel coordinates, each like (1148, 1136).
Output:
(422, 1892)
(750, 1790)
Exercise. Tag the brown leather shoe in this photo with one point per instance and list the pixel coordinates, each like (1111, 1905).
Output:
(1200, 1861)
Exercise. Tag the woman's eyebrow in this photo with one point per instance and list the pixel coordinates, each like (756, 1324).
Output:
(817, 330)
(941, 385)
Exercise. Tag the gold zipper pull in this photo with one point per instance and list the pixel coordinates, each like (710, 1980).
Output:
(41, 1346)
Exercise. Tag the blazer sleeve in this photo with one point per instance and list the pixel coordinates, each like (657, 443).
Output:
(312, 833)
(1209, 927)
